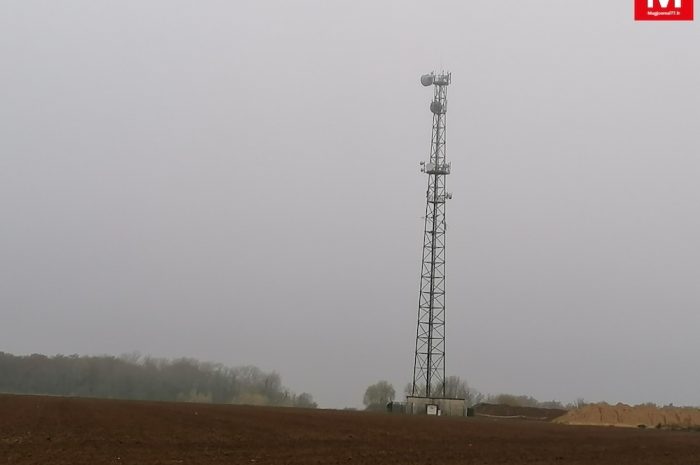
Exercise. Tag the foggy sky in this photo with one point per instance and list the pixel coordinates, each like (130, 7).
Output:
(238, 181)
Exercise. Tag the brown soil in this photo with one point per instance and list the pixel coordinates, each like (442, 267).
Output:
(625, 415)
(60, 431)
(524, 413)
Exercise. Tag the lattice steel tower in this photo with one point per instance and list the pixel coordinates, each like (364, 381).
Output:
(429, 364)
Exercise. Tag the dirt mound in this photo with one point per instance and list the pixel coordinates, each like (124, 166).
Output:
(524, 413)
(625, 415)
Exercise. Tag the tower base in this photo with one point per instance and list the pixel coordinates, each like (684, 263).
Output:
(436, 406)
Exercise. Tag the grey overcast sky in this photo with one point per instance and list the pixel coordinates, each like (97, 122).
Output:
(238, 181)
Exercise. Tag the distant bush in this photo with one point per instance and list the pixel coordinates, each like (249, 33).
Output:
(378, 395)
(522, 401)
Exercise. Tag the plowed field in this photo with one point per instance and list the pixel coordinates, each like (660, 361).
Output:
(58, 431)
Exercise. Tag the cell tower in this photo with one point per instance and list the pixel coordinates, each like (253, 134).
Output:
(429, 365)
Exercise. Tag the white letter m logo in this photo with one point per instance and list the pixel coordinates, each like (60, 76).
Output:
(664, 4)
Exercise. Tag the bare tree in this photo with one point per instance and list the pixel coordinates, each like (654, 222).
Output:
(457, 388)
(419, 391)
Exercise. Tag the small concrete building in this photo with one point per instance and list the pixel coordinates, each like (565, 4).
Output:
(436, 406)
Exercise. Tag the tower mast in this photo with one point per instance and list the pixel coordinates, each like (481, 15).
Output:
(429, 363)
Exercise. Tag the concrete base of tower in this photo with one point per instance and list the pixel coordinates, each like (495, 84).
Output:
(436, 406)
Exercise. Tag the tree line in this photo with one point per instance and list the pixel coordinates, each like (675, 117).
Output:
(145, 378)
(382, 392)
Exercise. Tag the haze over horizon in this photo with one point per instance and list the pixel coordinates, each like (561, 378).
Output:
(239, 182)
